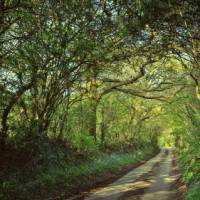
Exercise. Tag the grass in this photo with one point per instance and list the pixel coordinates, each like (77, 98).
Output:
(59, 180)
(70, 175)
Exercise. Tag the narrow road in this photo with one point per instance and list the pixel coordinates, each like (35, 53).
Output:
(150, 181)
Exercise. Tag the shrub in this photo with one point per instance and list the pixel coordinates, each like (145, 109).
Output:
(194, 193)
(85, 144)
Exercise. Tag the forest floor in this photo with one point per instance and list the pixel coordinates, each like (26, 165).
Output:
(157, 179)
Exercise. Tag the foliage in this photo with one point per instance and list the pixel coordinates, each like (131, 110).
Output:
(85, 145)
(193, 194)
(186, 133)
(69, 175)
(78, 78)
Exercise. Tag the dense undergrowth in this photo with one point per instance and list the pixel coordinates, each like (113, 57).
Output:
(83, 84)
(191, 173)
(186, 126)
(190, 162)
(58, 167)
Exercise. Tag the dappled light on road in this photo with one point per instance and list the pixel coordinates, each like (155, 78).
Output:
(155, 187)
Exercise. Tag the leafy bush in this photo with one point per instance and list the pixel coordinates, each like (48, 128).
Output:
(70, 175)
(189, 160)
(85, 144)
(194, 193)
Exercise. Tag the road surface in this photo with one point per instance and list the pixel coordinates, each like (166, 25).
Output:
(150, 181)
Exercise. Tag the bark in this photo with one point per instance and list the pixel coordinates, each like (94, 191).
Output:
(63, 122)
(93, 119)
(103, 127)
(103, 133)
(4, 125)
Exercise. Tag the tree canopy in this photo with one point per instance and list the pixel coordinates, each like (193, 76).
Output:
(95, 74)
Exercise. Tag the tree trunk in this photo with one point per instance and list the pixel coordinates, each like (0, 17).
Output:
(6, 112)
(14, 99)
(103, 133)
(103, 127)
(62, 124)
(93, 118)
(43, 125)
